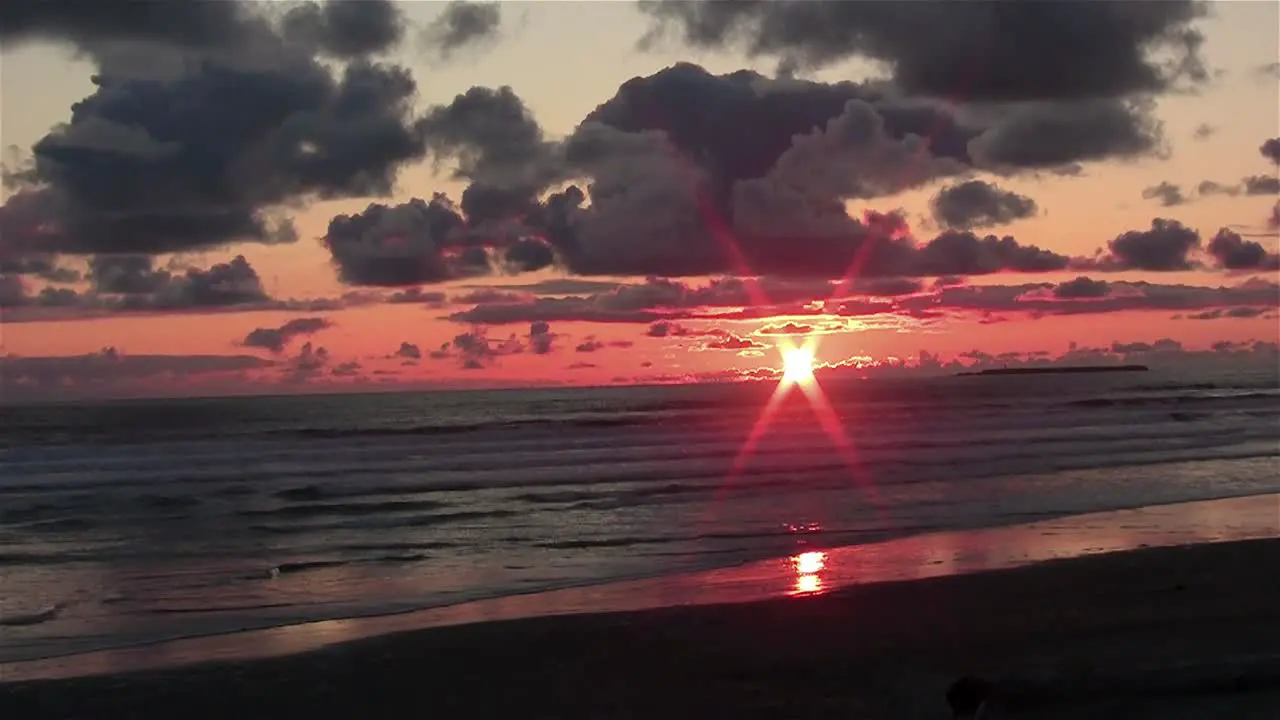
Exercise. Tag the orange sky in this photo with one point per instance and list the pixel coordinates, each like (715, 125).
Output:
(1077, 216)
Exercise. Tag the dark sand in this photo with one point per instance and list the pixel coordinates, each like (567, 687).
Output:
(1168, 633)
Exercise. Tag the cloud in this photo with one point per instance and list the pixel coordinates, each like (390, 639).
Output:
(967, 49)
(1203, 131)
(1235, 312)
(412, 243)
(733, 342)
(975, 203)
(44, 266)
(1233, 252)
(345, 28)
(541, 339)
(200, 135)
(1168, 194)
(650, 184)
(789, 328)
(308, 364)
(1082, 288)
(351, 368)
(1165, 247)
(1270, 150)
(109, 368)
(275, 339)
(1209, 187)
(462, 24)
(474, 349)
(1261, 185)
(408, 351)
(415, 296)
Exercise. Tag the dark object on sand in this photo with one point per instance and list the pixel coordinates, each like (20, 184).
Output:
(1078, 369)
(967, 695)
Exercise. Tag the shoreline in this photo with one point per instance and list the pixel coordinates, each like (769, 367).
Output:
(1118, 633)
(806, 573)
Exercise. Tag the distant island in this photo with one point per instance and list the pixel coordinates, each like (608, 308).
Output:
(1060, 370)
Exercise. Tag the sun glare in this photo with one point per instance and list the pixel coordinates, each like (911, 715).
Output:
(797, 365)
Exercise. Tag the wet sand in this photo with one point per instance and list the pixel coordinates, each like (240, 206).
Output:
(1165, 632)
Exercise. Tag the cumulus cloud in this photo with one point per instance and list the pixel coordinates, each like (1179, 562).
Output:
(475, 350)
(1233, 252)
(307, 364)
(462, 24)
(275, 339)
(660, 189)
(408, 351)
(944, 49)
(204, 124)
(975, 203)
(1270, 150)
(1165, 247)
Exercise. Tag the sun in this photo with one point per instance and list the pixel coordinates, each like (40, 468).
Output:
(797, 365)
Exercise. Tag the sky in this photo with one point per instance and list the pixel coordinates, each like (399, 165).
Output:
(284, 197)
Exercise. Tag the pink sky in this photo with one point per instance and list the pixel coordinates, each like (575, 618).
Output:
(1204, 273)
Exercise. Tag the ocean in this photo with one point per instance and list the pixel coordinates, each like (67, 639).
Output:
(131, 522)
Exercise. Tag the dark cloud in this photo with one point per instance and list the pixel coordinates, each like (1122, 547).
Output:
(975, 204)
(983, 51)
(1082, 288)
(667, 191)
(1270, 150)
(1042, 299)
(563, 286)
(201, 136)
(1261, 185)
(1165, 247)
(414, 296)
(1233, 252)
(1166, 192)
(460, 25)
(275, 339)
(541, 339)
(140, 285)
(215, 24)
(44, 266)
(1208, 188)
(1203, 131)
(309, 363)
(475, 350)
(346, 28)
(409, 351)
(412, 243)
(664, 328)
(110, 369)
(351, 368)
(1235, 312)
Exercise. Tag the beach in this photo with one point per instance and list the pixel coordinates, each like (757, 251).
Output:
(1192, 629)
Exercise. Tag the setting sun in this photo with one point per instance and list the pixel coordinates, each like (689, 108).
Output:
(797, 365)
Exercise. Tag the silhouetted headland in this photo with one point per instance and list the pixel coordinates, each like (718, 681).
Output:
(1059, 370)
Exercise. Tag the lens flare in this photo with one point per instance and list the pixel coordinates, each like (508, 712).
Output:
(797, 365)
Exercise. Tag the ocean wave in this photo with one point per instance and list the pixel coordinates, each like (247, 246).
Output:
(38, 617)
(384, 522)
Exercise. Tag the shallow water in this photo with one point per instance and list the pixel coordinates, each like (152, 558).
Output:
(134, 522)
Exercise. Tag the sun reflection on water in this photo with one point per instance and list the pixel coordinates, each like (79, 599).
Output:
(808, 567)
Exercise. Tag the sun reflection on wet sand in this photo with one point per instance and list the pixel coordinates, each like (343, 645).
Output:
(806, 573)
(808, 570)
